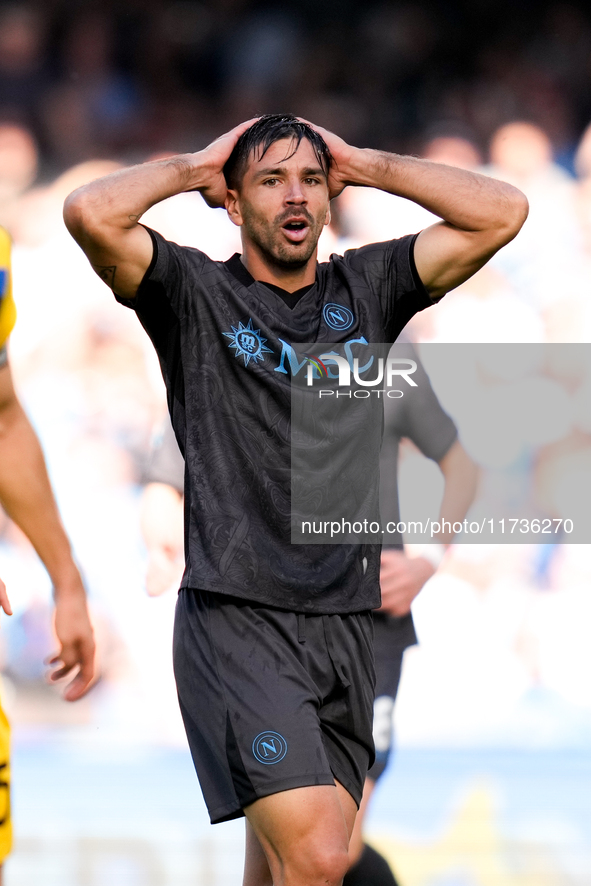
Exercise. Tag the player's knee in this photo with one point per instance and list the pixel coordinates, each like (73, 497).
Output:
(327, 866)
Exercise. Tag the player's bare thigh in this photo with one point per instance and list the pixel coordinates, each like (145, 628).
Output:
(299, 837)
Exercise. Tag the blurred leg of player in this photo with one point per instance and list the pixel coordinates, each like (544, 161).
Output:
(299, 837)
(368, 867)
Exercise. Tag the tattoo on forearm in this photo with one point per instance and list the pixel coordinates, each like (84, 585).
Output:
(106, 273)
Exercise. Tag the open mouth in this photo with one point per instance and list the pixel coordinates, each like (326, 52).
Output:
(295, 230)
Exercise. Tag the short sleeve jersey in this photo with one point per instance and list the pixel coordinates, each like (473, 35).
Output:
(225, 346)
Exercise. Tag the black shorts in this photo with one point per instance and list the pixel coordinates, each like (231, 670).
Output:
(391, 637)
(272, 700)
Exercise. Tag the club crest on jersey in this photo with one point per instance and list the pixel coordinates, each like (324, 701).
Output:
(337, 316)
(248, 343)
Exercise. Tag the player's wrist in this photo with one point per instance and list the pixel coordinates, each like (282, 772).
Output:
(433, 554)
(199, 170)
(67, 583)
(355, 167)
(372, 169)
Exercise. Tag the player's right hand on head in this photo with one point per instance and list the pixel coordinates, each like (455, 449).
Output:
(214, 156)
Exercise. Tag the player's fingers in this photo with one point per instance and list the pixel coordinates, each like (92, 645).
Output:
(79, 685)
(85, 677)
(325, 133)
(83, 658)
(77, 688)
(57, 674)
(242, 127)
(313, 125)
(235, 133)
(62, 662)
(4, 601)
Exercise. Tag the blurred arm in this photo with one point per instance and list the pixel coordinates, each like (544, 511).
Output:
(403, 573)
(162, 529)
(27, 498)
(461, 480)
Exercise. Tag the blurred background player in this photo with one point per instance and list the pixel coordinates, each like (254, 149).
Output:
(27, 498)
(419, 418)
(162, 512)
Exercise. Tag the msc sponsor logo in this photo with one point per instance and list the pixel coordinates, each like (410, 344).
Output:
(337, 316)
(289, 357)
(269, 747)
(248, 342)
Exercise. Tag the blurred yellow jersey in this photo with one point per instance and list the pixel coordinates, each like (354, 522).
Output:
(5, 820)
(7, 318)
(7, 308)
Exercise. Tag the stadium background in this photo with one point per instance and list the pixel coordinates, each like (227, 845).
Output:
(491, 785)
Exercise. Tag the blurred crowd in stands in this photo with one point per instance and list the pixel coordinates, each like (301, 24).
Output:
(86, 87)
(117, 79)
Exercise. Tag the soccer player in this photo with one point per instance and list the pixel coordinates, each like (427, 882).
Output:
(26, 496)
(420, 418)
(273, 641)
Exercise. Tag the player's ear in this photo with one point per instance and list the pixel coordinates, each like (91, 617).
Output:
(327, 219)
(232, 204)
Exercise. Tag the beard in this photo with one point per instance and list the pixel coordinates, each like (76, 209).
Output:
(267, 237)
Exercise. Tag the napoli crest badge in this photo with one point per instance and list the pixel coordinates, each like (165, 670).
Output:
(337, 316)
(269, 747)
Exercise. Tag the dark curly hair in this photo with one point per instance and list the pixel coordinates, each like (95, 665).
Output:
(267, 130)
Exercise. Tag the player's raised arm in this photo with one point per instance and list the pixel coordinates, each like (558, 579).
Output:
(480, 214)
(103, 216)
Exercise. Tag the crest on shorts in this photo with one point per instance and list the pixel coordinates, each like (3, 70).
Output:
(269, 747)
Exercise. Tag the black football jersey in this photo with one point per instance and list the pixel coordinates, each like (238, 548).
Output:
(227, 349)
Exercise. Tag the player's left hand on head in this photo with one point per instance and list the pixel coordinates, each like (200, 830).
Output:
(4, 601)
(401, 579)
(76, 656)
(338, 177)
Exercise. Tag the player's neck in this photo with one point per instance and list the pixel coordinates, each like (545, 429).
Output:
(290, 279)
